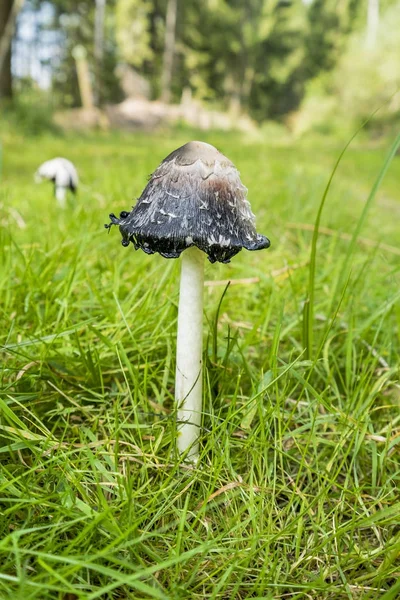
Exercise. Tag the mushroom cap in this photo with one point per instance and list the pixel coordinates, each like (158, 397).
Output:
(59, 170)
(194, 198)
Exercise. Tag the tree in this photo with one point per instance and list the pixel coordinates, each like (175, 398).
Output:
(362, 80)
(242, 54)
(251, 56)
(99, 47)
(330, 24)
(372, 78)
(372, 22)
(91, 25)
(169, 50)
(9, 10)
(140, 34)
(133, 21)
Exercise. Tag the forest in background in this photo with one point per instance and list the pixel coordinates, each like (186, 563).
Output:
(310, 64)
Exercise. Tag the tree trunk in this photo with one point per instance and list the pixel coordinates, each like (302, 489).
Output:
(169, 50)
(5, 49)
(247, 84)
(99, 48)
(82, 69)
(235, 104)
(372, 23)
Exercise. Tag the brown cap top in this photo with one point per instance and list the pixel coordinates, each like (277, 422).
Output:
(193, 151)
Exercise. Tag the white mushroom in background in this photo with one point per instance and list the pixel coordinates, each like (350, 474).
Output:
(194, 205)
(63, 174)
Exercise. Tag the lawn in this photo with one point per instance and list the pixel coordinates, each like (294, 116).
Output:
(296, 494)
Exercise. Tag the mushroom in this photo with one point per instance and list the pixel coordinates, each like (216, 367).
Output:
(63, 173)
(194, 205)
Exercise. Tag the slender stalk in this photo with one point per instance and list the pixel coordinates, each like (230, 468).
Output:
(189, 350)
(61, 196)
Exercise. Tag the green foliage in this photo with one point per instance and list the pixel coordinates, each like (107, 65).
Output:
(74, 22)
(30, 113)
(259, 57)
(279, 73)
(241, 53)
(372, 76)
(364, 80)
(250, 56)
(140, 29)
(330, 23)
(133, 21)
(296, 493)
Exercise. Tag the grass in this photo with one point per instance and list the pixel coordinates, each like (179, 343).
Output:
(297, 491)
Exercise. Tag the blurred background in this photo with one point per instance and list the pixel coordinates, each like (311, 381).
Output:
(288, 66)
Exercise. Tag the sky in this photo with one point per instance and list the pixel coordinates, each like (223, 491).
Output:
(31, 58)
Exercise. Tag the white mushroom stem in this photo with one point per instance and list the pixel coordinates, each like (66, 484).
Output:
(61, 196)
(189, 351)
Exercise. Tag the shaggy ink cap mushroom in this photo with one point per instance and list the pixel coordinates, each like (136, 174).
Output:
(60, 171)
(194, 198)
(194, 201)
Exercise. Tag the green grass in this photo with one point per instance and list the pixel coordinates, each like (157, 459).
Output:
(297, 491)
